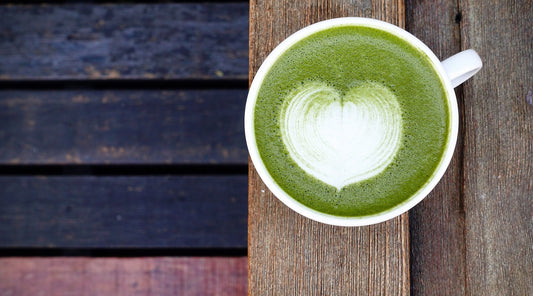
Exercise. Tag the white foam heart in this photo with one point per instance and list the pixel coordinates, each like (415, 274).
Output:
(338, 139)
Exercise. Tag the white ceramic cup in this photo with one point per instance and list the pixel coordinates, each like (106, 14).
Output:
(452, 72)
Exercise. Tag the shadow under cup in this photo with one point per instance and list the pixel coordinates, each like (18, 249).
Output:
(351, 121)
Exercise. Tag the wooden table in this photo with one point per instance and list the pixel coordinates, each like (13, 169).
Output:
(473, 235)
(123, 167)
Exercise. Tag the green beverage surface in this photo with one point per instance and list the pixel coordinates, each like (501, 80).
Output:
(345, 58)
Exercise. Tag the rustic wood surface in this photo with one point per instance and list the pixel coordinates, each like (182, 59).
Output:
(80, 86)
(436, 225)
(189, 276)
(114, 211)
(290, 254)
(124, 41)
(498, 148)
(121, 135)
(122, 126)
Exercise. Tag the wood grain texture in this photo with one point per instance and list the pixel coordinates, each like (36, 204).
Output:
(124, 41)
(128, 212)
(290, 254)
(122, 127)
(498, 154)
(123, 276)
(436, 225)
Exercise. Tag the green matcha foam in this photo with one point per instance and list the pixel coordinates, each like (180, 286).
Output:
(316, 159)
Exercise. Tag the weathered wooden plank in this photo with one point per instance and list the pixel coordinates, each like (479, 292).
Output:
(122, 126)
(436, 225)
(292, 255)
(123, 276)
(106, 212)
(498, 155)
(124, 41)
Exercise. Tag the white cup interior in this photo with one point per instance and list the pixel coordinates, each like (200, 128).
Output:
(328, 218)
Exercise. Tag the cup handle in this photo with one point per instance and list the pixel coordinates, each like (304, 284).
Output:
(462, 66)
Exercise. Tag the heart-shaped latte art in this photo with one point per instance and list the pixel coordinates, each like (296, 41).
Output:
(338, 139)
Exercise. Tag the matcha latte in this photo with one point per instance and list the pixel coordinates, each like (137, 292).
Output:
(351, 121)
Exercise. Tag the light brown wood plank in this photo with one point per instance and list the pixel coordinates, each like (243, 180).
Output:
(436, 225)
(123, 276)
(498, 155)
(290, 254)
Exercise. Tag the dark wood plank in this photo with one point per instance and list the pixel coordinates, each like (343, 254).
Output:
(122, 126)
(290, 254)
(498, 155)
(436, 225)
(104, 212)
(124, 41)
(123, 276)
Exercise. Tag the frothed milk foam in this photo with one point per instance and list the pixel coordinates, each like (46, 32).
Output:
(351, 121)
(341, 139)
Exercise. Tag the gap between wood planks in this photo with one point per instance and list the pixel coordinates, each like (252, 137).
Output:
(58, 2)
(123, 170)
(121, 84)
(123, 252)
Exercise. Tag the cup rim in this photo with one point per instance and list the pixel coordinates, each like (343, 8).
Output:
(310, 212)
